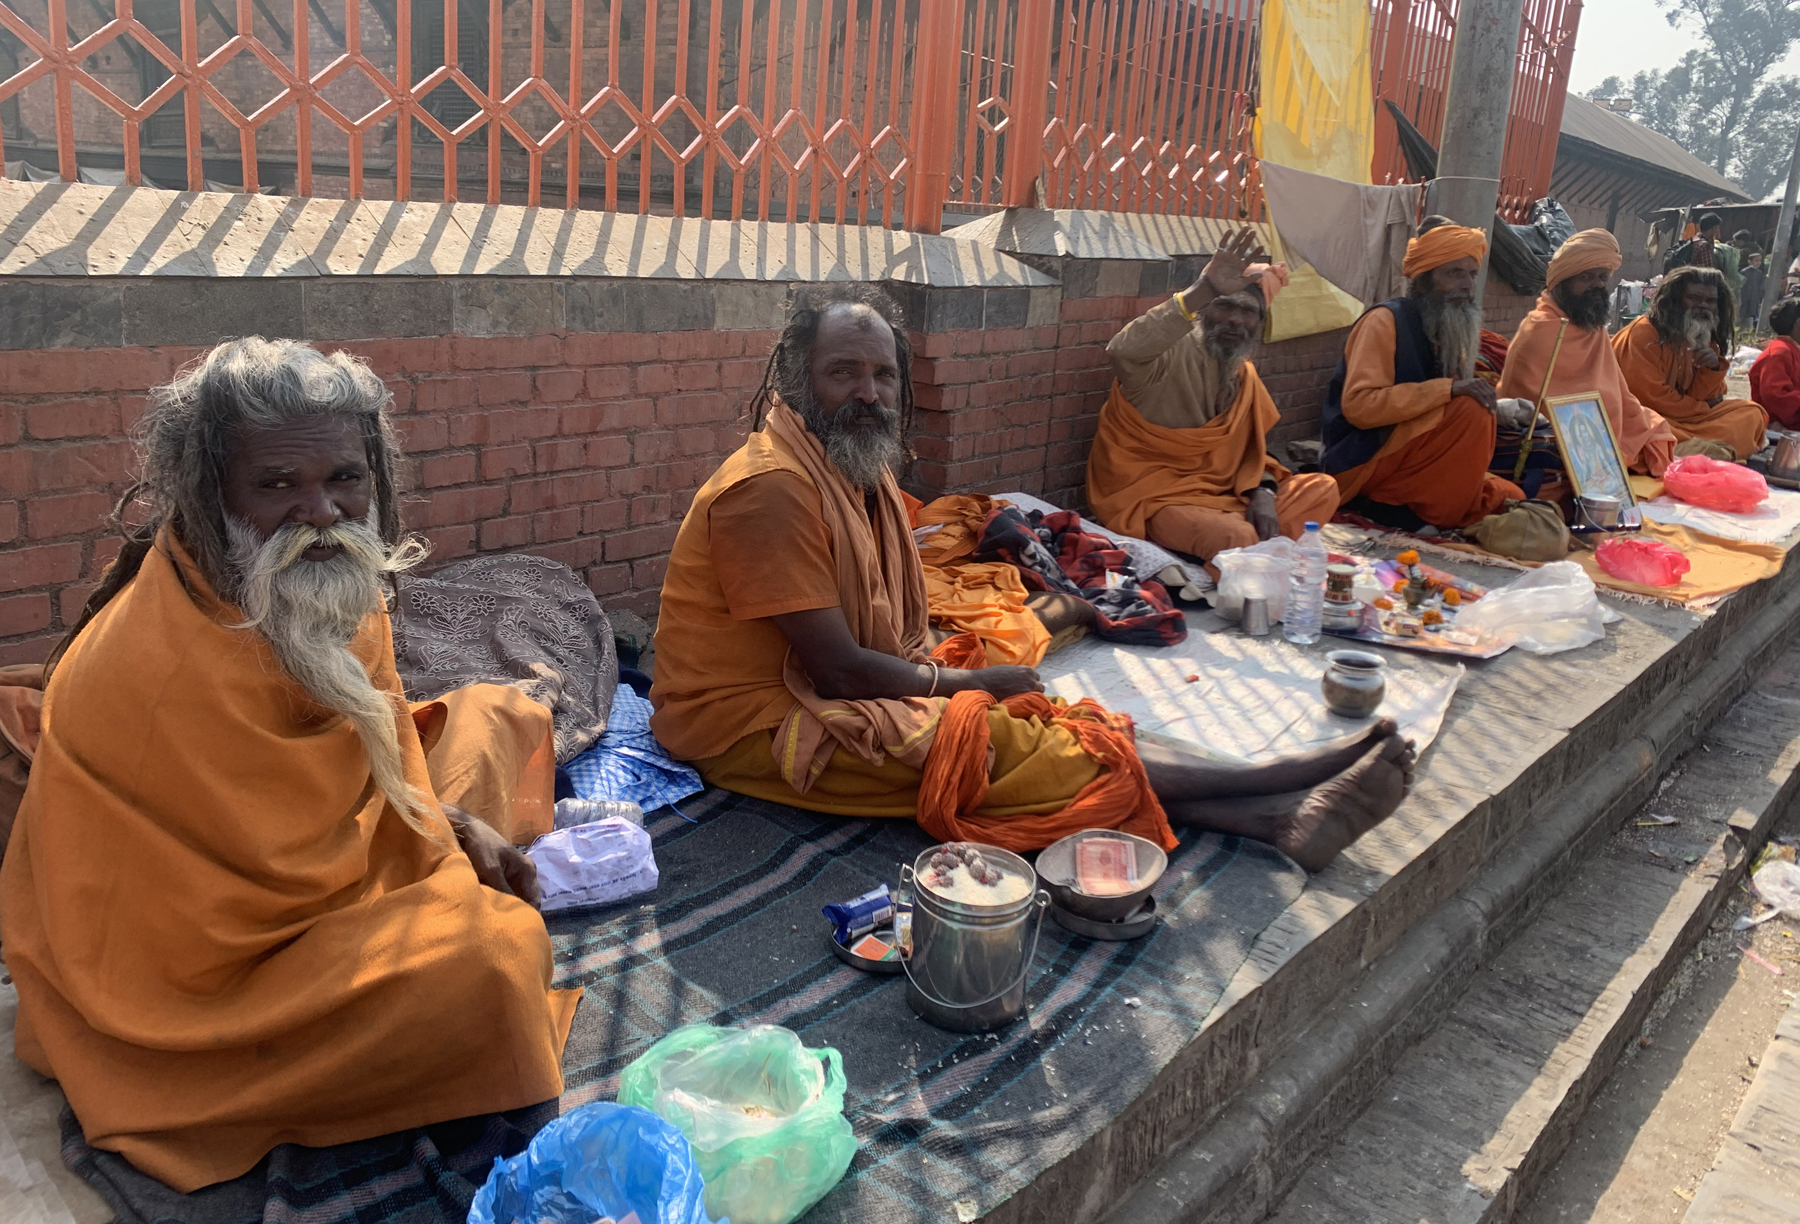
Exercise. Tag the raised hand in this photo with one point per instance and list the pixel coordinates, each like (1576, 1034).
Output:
(1224, 272)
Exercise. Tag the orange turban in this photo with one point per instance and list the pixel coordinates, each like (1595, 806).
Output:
(1270, 278)
(1594, 248)
(1435, 248)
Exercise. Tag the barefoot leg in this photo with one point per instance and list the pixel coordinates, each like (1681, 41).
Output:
(1179, 777)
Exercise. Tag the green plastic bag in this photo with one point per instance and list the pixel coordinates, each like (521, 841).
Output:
(764, 1113)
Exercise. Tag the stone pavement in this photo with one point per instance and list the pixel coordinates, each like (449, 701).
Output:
(1756, 1178)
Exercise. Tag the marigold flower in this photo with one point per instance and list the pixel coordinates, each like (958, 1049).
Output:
(1453, 597)
(1432, 616)
(1385, 604)
(1409, 557)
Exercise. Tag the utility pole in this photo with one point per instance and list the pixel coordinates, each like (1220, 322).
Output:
(1477, 104)
(1783, 249)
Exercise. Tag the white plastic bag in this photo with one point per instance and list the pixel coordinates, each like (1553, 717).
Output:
(1261, 569)
(1777, 882)
(1550, 609)
(593, 864)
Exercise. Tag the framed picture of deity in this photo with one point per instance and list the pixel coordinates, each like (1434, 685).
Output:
(1592, 461)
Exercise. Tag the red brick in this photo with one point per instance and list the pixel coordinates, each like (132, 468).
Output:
(655, 447)
(502, 533)
(10, 431)
(512, 387)
(608, 348)
(463, 505)
(699, 409)
(423, 433)
(441, 470)
(440, 394)
(73, 514)
(697, 376)
(500, 462)
(505, 352)
(639, 542)
(9, 522)
(643, 603)
(694, 441)
(449, 543)
(53, 372)
(655, 379)
(101, 556)
(81, 465)
(72, 599)
(741, 375)
(24, 614)
(82, 418)
(499, 425)
(28, 650)
(608, 382)
(553, 525)
(652, 508)
(608, 418)
(396, 355)
(43, 565)
(647, 575)
(549, 492)
(561, 454)
(630, 481)
(691, 345)
(608, 452)
(600, 516)
(558, 386)
(605, 580)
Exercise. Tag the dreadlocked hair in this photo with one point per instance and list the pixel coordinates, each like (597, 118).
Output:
(789, 371)
(1666, 309)
(184, 441)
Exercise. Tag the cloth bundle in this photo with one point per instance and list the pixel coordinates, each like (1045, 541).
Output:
(628, 763)
(1053, 553)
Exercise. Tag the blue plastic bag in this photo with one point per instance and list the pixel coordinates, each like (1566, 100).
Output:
(601, 1160)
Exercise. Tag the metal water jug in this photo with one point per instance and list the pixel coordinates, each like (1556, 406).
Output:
(1785, 464)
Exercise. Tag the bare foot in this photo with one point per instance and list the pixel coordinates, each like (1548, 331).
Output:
(1305, 770)
(1342, 809)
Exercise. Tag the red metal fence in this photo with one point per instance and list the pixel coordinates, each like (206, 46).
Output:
(882, 112)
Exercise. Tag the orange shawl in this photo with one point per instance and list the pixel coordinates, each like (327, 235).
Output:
(881, 588)
(223, 937)
(1585, 364)
(1137, 468)
(1666, 379)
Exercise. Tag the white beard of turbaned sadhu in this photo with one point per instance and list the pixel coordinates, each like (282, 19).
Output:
(309, 613)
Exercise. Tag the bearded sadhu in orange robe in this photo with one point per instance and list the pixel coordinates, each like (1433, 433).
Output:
(1674, 359)
(1574, 306)
(1181, 455)
(225, 938)
(1407, 419)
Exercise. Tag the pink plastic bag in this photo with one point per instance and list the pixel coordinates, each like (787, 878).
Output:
(1715, 485)
(1645, 562)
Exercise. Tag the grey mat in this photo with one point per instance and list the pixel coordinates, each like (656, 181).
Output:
(734, 936)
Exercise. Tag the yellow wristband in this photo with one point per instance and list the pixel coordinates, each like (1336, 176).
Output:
(1187, 314)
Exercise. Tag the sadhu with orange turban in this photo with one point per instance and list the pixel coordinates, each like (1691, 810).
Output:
(1181, 456)
(1562, 349)
(1409, 427)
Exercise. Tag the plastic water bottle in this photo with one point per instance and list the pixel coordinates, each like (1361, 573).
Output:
(1306, 589)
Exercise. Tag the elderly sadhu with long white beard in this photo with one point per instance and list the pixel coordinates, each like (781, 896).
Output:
(1674, 359)
(252, 897)
(1406, 422)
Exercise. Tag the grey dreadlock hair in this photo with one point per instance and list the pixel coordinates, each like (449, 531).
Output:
(789, 371)
(184, 440)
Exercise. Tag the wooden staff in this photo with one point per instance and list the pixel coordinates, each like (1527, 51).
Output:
(1543, 391)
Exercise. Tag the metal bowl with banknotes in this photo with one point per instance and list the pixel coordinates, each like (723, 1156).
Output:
(1088, 882)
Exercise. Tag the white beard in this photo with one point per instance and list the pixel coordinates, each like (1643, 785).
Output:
(309, 613)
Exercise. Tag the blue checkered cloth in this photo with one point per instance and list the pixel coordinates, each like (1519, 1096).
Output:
(628, 763)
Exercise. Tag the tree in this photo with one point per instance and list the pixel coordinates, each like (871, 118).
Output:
(1719, 103)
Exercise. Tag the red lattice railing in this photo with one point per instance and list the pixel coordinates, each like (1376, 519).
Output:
(875, 112)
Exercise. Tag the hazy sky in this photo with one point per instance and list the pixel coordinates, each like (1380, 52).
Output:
(1623, 37)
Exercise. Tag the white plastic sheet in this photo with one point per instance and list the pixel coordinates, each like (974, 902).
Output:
(1550, 609)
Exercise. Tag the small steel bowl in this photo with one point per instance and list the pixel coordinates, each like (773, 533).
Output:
(1056, 872)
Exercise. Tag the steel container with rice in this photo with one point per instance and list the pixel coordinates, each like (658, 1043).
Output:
(970, 958)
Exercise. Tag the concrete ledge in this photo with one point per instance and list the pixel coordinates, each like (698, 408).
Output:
(72, 229)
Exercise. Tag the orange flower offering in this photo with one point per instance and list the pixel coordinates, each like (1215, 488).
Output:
(1431, 616)
(1385, 604)
(1409, 557)
(1453, 597)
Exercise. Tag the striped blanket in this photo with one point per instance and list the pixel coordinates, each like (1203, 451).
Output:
(734, 936)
